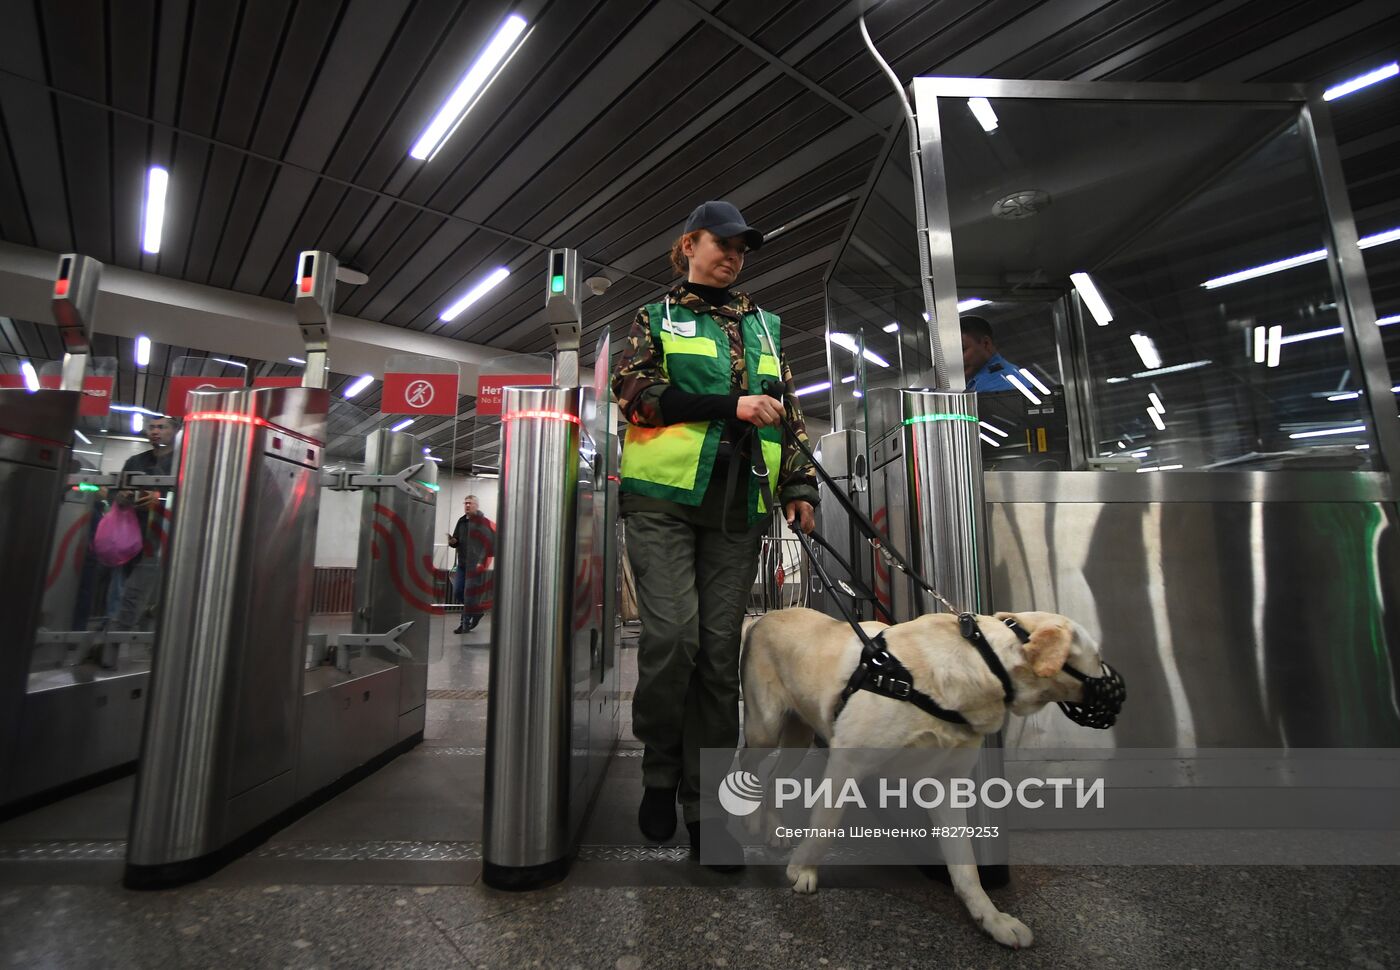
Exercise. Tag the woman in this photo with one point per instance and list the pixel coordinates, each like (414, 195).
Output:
(690, 383)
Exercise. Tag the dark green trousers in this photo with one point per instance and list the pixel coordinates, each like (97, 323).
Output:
(693, 585)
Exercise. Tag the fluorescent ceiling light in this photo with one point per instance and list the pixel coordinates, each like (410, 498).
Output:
(1376, 239)
(157, 179)
(993, 429)
(361, 382)
(1297, 338)
(1035, 382)
(971, 303)
(433, 458)
(231, 363)
(991, 441)
(82, 437)
(847, 380)
(1387, 321)
(1365, 242)
(1116, 380)
(1156, 419)
(1350, 429)
(1261, 344)
(1395, 389)
(1147, 350)
(143, 350)
(138, 422)
(857, 394)
(1089, 293)
(1159, 468)
(1156, 402)
(485, 69)
(475, 293)
(296, 360)
(1266, 269)
(402, 424)
(812, 388)
(135, 409)
(1275, 344)
(31, 378)
(891, 327)
(846, 341)
(1357, 83)
(1016, 383)
(79, 451)
(1362, 447)
(1139, 454)
(1345, 396)
(982, 110)
(1174, 368)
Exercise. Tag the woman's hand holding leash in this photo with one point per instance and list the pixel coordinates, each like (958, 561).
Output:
(759, 410)
(803, 513)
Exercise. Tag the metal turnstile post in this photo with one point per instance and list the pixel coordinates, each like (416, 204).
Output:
(525, 827)
(929, 488)
(219, 753)
(552, 706)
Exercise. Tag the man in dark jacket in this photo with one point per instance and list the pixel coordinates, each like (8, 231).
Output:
(143, 574)
(474, 538)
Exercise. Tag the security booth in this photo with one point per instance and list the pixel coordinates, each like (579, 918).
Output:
(552, 720)
(1188, 437)
(254, 715)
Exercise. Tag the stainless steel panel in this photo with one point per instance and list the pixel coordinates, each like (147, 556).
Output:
(528, 721)
(77, 723)
(1319, 486)
(843, 455)
(1237, 624)
(347, 720)
(34, 429)
(226, 684)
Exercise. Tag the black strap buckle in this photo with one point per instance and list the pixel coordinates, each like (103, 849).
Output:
(967, 626)
(891, 685)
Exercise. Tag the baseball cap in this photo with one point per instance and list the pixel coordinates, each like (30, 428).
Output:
(725, 220)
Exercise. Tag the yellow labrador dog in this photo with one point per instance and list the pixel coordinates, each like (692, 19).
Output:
(796, 663)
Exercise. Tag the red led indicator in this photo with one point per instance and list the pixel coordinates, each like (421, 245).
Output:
(236, 418)
(542, 414)
(306, 284)
(60, 288)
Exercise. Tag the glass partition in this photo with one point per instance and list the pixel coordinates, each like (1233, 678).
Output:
(1153, 275)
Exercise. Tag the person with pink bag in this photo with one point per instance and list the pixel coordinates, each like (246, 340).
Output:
(142, 573)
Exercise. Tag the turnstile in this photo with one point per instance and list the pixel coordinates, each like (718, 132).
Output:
(552, 719)
(63, 724)
(252, 718)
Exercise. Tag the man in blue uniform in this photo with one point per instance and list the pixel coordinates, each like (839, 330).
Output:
(984, 368)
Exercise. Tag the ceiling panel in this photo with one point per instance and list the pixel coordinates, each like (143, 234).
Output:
(287, 126)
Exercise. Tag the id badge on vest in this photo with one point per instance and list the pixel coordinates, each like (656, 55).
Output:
(681, 328)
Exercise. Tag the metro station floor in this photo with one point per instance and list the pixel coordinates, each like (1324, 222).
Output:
(387, 874)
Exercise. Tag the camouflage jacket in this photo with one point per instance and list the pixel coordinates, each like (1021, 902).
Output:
(640, 379)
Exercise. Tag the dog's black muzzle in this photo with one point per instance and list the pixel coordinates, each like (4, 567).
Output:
(1103, 698)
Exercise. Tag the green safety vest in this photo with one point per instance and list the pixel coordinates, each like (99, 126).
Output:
(675, 462)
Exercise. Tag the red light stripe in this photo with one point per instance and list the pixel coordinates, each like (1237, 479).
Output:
(306, 284)
(30, 437)
(237, 418)
(542, 415)
(60, 288)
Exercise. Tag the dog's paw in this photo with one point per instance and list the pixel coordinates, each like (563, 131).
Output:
(1008, 930)
(803, 878)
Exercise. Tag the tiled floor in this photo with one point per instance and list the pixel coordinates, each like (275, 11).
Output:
(388, 875)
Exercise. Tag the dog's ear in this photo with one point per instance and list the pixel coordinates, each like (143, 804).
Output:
(1048, 648)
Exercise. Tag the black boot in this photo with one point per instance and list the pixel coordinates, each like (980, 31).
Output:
(657, 815)
(723, 853)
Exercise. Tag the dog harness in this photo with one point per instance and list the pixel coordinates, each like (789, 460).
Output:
(879, 671)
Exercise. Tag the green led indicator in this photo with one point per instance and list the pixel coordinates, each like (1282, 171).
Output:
(556, 284)
(428, 485)
(87, 487)
(921, 418)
